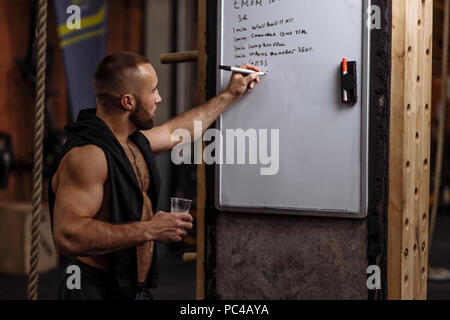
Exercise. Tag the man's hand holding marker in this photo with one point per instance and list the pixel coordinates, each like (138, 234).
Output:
(239, 83)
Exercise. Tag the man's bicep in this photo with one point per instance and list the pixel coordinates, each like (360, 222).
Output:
(82, 175)
(78, 200)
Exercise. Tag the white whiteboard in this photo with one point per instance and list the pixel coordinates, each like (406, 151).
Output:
(323, 144)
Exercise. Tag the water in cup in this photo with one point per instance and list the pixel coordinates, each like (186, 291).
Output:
(180, 205)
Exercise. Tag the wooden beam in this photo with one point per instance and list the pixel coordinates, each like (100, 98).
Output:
(201, 178)
(425, 62)
(177, 57)
(409, 148)
(189, 256)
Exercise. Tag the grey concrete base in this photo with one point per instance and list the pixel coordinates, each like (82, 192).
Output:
(288, 257)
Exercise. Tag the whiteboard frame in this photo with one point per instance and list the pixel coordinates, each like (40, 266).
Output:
(365, 104)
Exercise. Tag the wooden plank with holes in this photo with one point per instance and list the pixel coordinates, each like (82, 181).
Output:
(410, 192)
(417, 257)
(423, 124)
(426, 140)
(409, 148)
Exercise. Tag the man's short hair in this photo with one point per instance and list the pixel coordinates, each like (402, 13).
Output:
(116, 75)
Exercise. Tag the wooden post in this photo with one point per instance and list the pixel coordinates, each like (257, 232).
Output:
(201, 179)
(200, 56)
(409, 157)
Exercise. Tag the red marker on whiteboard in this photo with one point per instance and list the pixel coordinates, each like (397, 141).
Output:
(344, 72)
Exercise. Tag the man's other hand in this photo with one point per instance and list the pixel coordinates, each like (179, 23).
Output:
(169, 227)
(240, 83)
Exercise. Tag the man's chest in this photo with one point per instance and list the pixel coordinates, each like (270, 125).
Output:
(139, 165)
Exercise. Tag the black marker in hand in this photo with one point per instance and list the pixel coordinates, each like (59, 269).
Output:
(240, 70)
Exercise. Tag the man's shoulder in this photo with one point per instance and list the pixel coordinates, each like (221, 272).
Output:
(87, 160)
(86, 152)
(83, 166)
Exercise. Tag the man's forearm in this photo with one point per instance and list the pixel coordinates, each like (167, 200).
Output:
(207, 113)
(94, 237)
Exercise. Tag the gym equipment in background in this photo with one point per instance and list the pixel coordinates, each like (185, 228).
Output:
(6, 159)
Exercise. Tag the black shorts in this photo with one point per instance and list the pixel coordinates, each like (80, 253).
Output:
(94, 284)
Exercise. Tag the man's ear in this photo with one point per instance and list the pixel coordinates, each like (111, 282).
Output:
(128, 102)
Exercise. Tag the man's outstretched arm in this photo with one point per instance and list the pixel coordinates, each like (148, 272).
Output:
(161, 138)
(79, 195)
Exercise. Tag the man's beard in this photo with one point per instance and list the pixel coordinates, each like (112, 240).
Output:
(141, 119)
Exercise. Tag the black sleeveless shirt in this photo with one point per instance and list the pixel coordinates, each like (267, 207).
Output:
(126, 202)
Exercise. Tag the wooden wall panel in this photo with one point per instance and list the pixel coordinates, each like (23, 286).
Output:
(409, 148)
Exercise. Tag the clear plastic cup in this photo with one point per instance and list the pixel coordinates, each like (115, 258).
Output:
(180, 205)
